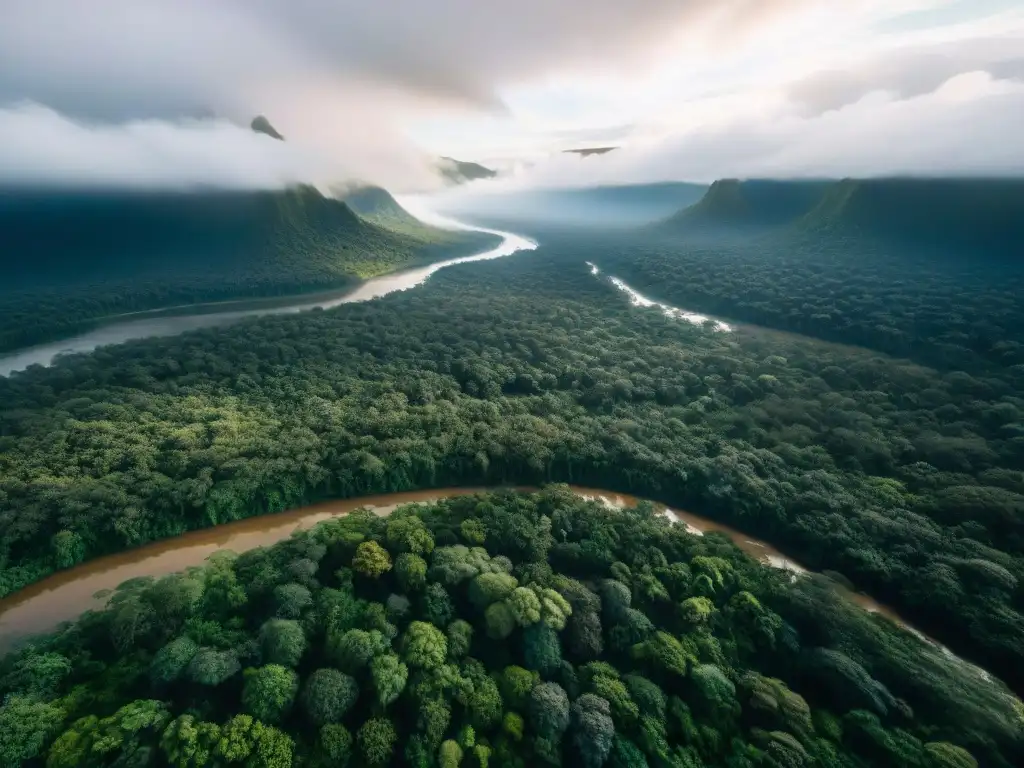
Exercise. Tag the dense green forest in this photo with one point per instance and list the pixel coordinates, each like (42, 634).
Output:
(930, 270)
(495, 630)
(905, 479)
(68, 259)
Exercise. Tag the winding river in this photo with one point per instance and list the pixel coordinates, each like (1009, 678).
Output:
(188, 318)
(64, 596)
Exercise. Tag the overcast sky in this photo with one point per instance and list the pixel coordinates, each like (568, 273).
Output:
(145, 92)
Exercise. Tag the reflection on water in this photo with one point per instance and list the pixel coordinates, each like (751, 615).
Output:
(637, 299)
(171, 325)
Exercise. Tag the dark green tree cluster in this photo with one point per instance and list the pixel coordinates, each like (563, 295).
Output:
(575, 636)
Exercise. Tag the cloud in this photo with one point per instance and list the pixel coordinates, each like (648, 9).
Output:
(110, 57)
(968, 125)
(40, 147)
(908, 72)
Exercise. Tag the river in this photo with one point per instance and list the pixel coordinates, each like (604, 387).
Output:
(188, 318)
(67, 594)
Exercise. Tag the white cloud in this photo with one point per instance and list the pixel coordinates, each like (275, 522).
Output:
(39, 146)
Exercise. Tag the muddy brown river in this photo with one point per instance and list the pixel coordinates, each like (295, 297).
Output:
(66, 595)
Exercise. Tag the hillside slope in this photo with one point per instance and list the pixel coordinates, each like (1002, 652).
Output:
(984, 216)
(67, 259)
(732, 208)
(459, 171)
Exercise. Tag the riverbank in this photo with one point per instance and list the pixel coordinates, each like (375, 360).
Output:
(215, 314)
(42, 607)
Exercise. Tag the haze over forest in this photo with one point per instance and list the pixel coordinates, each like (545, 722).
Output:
(645, 381)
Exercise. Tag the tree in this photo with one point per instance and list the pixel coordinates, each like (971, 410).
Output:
(592, 729)
(473, 532)
(449, 755)
(282, 642)
(291, 600)
(432, 721)
(945, 755)
(626, 754)
(541, 649)
(549, 710)
(516, 684)
(371, 559)
(615, 599)
(424, 646)
(524, 605)
(665, 654)
(38, 675)
(407, 533)
(353, 650)
(389, 676)
(327, 695)
(25, 727)
(697, 610)
(500, 620)
(212, 667)
(489, 588)
(269, 692)
(377, 739)
(68, 549)
(460, 637)
(437, 605)
(411, 572)
(189, 744)
(334, 745)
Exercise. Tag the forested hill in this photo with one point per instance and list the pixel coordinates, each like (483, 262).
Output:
(985, 217)
(731, 208)
(68, 258)
(459, 171)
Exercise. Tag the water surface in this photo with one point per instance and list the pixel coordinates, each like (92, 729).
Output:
(212, 314)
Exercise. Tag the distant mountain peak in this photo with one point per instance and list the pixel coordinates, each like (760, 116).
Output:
(459, 171)
(261, 124)
(588, 151)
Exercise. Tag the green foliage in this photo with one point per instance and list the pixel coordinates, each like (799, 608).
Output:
(189, 744)
(269, 692)
(389, 677)
(68, 549)
(542, 650)
(592, 729)
(411, 571)
(212, 667)
(424, 646)
(516, 684)
(500, 620)
(282, 642)
(406, 533)
(449, 755)
(292, 600)
(549, 710)
(353, 650)
(25, 728)
(327, 695)
(667, 690)
(376, 739)
(473, 532)
(460, 637)
(489, 588)
(371, 559)
(334, 745)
